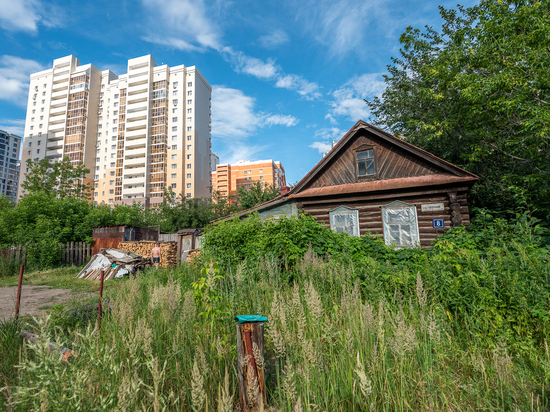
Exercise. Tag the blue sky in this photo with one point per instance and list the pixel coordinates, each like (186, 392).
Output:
(287, 76)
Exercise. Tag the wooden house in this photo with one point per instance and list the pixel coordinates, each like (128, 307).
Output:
(374, 182)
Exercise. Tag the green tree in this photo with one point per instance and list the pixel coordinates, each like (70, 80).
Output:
(58, 178)
(477, 94)
(256, 194)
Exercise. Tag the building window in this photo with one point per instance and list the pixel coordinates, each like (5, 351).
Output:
(175, 102)
(173, 175)
(115, 113)
(97, 168)
(102, 86)
(44, 86)
(37, 151)
(174, 119)
(344, 219)
(189, 119)
(174, 156)
(261, 178)
(34, 103)
(189, 128)
(189, 165)
(175, 128)
(32, 119)
(96, 177)
(365, 163)
(188, 138)
(188, 156)
(32, 127)
(28, 152)
(96, 194)
(189, 175)
(189, 110)
(174, 93)
(174, 138)
(96, 185)
(30, 144)
(43, 101)
(115, 104)
(112, 174)
(41, 109)
(190, 84)
(188, 185)
(245, 172)
(112, 164)
(116, 96)
(113, 146)
(188, 147)
(174, 166)
(38, 143)
(173, 185)
(400, 224)
(111, 182)
(188, 194)
(43, 93)
(174, 147)
(174, 110)
(111, 191)
(189, 101)
(189, 93)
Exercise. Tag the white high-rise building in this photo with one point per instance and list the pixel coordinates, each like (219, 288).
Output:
(10, 149)
(138, 132)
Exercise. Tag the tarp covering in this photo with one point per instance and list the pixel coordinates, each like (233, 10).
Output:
(250, 318)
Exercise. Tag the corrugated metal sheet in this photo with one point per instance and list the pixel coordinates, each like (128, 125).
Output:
(287, 209)
(168, 237)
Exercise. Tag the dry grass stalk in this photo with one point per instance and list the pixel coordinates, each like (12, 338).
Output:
(421, 292)
(365, 383)
(313, 302)
(198, 396)
(225, 399)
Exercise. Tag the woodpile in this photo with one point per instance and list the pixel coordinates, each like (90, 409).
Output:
(193, 254)
(169, 251)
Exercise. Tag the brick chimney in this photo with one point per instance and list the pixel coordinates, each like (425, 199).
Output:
(285, 190)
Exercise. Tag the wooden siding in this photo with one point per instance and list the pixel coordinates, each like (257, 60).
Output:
(390, 161)
(370, 212)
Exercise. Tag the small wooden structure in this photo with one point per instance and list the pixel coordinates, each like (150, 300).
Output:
(250, 365)
(373, 182)
(188, 239)
(110, 236)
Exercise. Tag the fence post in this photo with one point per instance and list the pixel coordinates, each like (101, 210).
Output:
(99, 303)
(71, 253)
(250, 364)
(19, 285)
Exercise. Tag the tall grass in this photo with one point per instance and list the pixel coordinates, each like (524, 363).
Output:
(338, 338)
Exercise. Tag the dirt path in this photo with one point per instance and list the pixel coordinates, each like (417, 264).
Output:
(36, 299)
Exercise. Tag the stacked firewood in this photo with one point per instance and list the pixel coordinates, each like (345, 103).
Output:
(193, 254)
(169, 250)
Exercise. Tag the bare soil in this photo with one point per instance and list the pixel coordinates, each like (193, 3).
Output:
(35, 300)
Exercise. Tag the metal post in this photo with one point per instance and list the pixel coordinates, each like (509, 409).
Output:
(18, 303)
(100, 295)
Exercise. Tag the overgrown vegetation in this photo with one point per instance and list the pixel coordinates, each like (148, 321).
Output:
(353, 325)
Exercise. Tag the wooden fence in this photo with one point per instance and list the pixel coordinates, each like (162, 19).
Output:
(72, 253)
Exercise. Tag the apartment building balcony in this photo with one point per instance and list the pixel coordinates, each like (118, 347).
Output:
(61, 118)
(136, 134)
(54, 154)
(135, 162)
(59, 94)
(56, 128)
(140, 74)
(57, 104)
(58, 135)
(137, 110)
(61, 77)
(137, 99)
(135, 117)
(57, 111)
(136, 125)
(136, 144)
(54, 144)
(139, 89)
(144, 79)
(137, 174)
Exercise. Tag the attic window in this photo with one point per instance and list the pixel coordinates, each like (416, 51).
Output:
(344, 219)
(365, 163)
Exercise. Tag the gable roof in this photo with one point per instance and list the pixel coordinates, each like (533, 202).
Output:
(453, 174)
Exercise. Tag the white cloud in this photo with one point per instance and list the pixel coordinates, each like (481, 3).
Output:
(182, 24)
(273, 40)
(344, 25)
(14, 126)
(14, 78)
(25, 15)
(233, 114)
(241, 152)
(349, 98)
(250, 65)
(321, 147)
(306, 89)
(279, 119)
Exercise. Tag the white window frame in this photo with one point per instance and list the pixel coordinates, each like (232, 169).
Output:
(406, 208)
(349, 214)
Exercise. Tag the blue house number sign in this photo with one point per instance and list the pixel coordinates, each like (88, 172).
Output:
(438, 223)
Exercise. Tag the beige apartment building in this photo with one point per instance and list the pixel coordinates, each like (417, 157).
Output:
(137, 133)
(228, 178)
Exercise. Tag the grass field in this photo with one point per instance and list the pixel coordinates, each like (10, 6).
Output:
(169, 343)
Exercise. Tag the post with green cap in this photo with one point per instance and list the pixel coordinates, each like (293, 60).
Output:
(250, 368)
